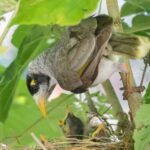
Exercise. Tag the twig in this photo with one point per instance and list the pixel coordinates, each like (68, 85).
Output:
(38, 141)
(143, 75)
(106, 110)
(118, 111)
(94, 110)
(91, 104)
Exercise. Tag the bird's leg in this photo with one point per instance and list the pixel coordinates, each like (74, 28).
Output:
(128, 89)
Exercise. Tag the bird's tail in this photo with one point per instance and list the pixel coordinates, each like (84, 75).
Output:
(132, 46)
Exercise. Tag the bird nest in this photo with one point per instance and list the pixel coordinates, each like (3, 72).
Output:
(86, 144)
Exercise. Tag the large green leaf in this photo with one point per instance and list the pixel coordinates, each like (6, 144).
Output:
(66, 12)
(142, 132)
(129, 9)
(142, 4)
(30, 46)
(139, 23)
(25, 113)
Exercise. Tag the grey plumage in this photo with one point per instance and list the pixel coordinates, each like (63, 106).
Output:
(86, 55)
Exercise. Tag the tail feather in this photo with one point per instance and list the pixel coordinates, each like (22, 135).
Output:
(131, 45)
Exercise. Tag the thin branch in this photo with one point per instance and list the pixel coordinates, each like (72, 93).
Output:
(117, 109)
(106, 110)
(143, 75)
(134, 99)
(94, 110)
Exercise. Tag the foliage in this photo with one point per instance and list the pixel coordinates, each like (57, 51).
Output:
(147, 95)
(25, 113)
(6, 6)
(36, 32)
(53, 12)
(142, 131)
(141, 16)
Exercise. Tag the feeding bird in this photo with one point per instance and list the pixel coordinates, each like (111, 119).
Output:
(86, 55)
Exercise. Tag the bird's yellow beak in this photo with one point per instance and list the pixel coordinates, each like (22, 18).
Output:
(42, 106)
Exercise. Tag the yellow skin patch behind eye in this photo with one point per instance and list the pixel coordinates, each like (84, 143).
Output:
(33, 82)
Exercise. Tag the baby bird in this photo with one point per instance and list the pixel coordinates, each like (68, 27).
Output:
(72, 126)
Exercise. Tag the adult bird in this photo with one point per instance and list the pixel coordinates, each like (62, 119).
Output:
(87, 54)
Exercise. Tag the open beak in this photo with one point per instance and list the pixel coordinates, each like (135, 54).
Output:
(42, 106)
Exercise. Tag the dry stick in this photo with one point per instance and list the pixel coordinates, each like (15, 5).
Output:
(38, 141)
(135, 98)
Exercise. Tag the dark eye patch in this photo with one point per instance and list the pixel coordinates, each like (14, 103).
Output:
(39, 79)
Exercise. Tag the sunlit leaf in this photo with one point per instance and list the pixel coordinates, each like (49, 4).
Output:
(129, 9)
(66, 12)
(139, 23)
(7, 5)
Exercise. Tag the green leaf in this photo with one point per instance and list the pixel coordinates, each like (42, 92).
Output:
(147, 95)
(142, 131)
(23, 116)
(129, 9)
(7, 5)
(142, 4)
(44, 12)
(139, 23)
(2, 68)
(20, 33)
(31, 45)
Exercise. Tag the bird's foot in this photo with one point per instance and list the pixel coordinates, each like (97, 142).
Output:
(131, 90)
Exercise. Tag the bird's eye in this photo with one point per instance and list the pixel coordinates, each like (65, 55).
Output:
(33, 82)
(32, 85)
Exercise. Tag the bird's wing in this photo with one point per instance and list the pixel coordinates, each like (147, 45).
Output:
(91, 70)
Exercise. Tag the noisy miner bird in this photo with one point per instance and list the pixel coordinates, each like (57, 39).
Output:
(72, 126)
(87, 54)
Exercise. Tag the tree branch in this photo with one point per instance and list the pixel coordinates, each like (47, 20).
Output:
(134, 99)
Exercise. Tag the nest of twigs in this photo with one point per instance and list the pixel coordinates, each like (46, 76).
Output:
(86, 144)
